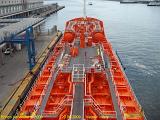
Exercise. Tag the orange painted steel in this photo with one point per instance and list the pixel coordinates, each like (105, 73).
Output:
(69, 37)
(82, 40)
(34, 99)
(74, 51)
(98, 104)
(98, 98)
(129, 106)
(89, 42)
(97, 36)
(59, 102)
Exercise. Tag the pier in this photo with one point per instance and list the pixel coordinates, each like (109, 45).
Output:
(34, 12)
(15, 24)
(22, 82)
(21, 35)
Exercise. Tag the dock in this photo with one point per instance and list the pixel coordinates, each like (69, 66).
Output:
(34, 12)
(17, 26)
(154, 3)
(14, 25)
(19, 85)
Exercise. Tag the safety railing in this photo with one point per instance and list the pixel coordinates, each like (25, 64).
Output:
(90, 101)
(66, 101)
(120, 81)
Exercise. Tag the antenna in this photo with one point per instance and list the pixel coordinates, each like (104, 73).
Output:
(84, 9)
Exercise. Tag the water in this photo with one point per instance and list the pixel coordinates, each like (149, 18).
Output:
(134, 30)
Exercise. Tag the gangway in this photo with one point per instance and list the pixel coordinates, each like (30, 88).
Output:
(78, 73)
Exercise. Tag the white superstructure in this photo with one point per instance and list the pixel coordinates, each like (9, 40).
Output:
(9, 6)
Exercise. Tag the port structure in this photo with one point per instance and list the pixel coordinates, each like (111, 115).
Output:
(28, 40)
(25, 11)
(75, 82)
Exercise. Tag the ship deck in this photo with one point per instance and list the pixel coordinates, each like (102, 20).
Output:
(84, 57)
(82, 79)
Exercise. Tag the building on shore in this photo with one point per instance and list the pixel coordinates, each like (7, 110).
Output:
(10, 6)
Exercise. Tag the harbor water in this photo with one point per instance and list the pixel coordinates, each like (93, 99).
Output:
(134, 31)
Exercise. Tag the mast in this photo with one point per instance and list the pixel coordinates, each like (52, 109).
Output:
(84, 9)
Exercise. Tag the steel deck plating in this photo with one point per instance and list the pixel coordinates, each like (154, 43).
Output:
(82, 79)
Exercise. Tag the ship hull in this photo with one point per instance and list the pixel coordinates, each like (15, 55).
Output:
(82, 79)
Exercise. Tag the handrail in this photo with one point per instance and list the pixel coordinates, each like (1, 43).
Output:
(60, 106)
(110, 114)
(119, 66)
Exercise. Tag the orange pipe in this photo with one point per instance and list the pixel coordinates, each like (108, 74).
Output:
(92, 80)
(63, 115)
(70, 86)
(82, 40)
(93, 113)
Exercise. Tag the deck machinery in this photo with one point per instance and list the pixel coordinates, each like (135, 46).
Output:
(82, 79)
